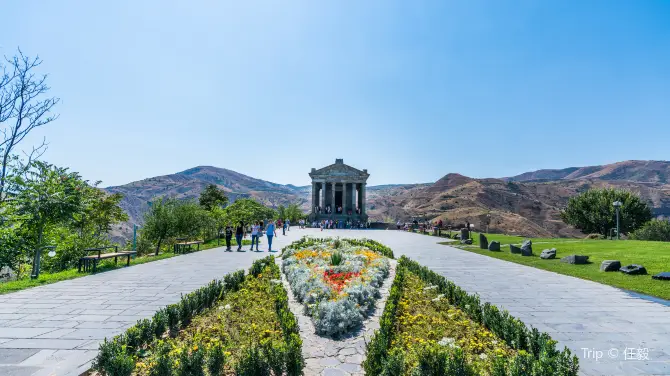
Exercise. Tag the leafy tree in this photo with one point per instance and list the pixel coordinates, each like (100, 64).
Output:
(212, 197)
(50, 196)
(190, 220)
(593, 211)
(247, 211)
(281, 212)
(657, 230)
(159, 221)
(100, 211)
(294, 213)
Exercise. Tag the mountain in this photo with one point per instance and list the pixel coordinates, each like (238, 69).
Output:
(527, 204)
(655, 172)
(188, 185)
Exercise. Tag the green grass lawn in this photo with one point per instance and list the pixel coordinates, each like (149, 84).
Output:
(105, 265)
(654, 256)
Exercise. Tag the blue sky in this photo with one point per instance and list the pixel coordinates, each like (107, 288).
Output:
(410, 90)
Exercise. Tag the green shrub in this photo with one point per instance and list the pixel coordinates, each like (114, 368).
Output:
(656, 230)
(216, 360)
(394, 364)
(113, 359)
(164, 364)
(252, 364)
(336, 258)
(192, 363)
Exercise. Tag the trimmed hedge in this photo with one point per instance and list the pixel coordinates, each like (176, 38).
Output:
(537, 351)
(117, 357)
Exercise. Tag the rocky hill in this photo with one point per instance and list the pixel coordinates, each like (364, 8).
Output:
(654, 172)
(527, 204)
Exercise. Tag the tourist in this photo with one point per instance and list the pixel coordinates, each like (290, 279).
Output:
(321, 225)
(239, 234)
(270, 232)
(228, 233)
(255, 229)
(283, 228)
(288, 225)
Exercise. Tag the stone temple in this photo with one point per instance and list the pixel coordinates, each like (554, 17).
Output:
(338, 192)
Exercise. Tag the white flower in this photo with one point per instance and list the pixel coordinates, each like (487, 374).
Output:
(482, 356)
(494, 342)
(467, 306)
(275, 281)
(227, 306)
(431, 287)
(447, 341)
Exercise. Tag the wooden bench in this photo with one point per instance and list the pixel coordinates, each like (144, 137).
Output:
(185, 247)
(87, 262)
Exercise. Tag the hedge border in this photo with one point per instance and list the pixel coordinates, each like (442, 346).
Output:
(542, 358)
(115, 357)
(373, 245)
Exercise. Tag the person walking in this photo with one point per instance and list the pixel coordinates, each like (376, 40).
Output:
(228, 233)
(283, 229)
(255, 230)
(271, 231)
(239, 234)
(288, 225)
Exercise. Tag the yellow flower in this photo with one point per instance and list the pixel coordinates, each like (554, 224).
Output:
(195, 348)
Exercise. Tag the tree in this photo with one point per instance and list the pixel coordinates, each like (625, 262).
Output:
(212, 197)
(24, 106)
(593, 211)
(281, 212)
(247, 210)
(657, 230)
(190, 219)
(293, 213)
(50, 195)
(100, 211)
(159, 221)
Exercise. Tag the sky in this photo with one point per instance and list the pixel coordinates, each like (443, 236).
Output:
(409, 90)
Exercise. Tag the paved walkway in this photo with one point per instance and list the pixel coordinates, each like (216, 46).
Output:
(55, 329)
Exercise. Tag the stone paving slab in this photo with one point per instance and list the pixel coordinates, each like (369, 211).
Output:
(56, 329)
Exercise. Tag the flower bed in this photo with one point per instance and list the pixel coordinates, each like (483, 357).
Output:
(238, 326)
(432, 327)
(337, 280)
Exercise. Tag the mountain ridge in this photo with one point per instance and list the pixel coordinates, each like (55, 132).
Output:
(527, 204)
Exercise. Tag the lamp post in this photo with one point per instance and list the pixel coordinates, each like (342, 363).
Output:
(617, 205)
(488, 222)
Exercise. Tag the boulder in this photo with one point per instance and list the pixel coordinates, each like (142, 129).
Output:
(514, 249)
(610, 266)
(483, 242)
(494, 246)
(466, 241)
(548, 254)
(575, 259)
(665, 276)
(633, 269)
(527, 248)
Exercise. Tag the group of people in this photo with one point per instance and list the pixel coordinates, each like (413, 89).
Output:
(339, 210)
(340, 224)
(256, 230)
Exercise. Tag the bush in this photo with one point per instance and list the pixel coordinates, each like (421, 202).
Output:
(594, 236)
(656, 230)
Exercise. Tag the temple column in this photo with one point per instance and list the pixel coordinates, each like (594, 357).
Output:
(344, 198)
(315, 197)
(332, 203)
(362, 198)
(323, 196)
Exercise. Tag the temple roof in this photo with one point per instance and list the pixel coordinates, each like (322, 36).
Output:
(339, 170)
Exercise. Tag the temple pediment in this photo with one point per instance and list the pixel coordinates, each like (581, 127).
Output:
(339, 170)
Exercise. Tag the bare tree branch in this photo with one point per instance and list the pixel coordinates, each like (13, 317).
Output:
(24, 106)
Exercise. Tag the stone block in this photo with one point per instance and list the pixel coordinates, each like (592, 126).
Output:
(494, 246)
(634, 269)
(514, 249)
(527, 248)
(575, 259)
(483, 242)
(610, 266)
(548, 254)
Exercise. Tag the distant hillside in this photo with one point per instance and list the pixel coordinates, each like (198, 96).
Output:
(527, 204)
(657, 172)
(188, 185)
